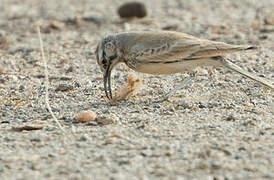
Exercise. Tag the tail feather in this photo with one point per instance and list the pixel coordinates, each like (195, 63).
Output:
(236, 68)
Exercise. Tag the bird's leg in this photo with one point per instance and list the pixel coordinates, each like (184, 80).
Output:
(172, 92)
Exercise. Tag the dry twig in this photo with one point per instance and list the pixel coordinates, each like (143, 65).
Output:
(47, 81)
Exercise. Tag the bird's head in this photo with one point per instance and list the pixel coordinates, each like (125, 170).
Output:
(108, 56)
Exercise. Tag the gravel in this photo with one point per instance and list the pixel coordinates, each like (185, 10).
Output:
(220, 126)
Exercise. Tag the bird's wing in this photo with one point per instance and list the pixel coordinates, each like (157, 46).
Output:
(213, 49)
(166, 51)
(183, 49)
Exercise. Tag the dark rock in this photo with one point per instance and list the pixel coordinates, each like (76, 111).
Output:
(230, 118)
(83, 138)
(5, 121)
(132, 9)
(201, 105)
(35, 140)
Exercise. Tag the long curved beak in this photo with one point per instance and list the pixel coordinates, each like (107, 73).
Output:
(107, 82)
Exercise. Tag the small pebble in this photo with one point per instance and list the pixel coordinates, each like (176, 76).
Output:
(216, 164)
(92, 123)
(21, 87)
(86, 116)
(201, 105)
(123, 162)
(238, 157)
(5, 121)
(230, 118)
(64, 87)
(157, 106)
(141, 127)
(56, 25)
(83, 138)
(93, 19)
(65, 78)
(35, 140)
(52, 155)
(50, 128)
(172, 27)
(132, 9)
(263, 37)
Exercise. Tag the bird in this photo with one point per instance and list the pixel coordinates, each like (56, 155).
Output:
(165, 52)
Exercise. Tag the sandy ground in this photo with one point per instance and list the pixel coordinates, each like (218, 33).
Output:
(218, 127)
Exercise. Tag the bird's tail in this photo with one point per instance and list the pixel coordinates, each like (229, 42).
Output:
(234, 67)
